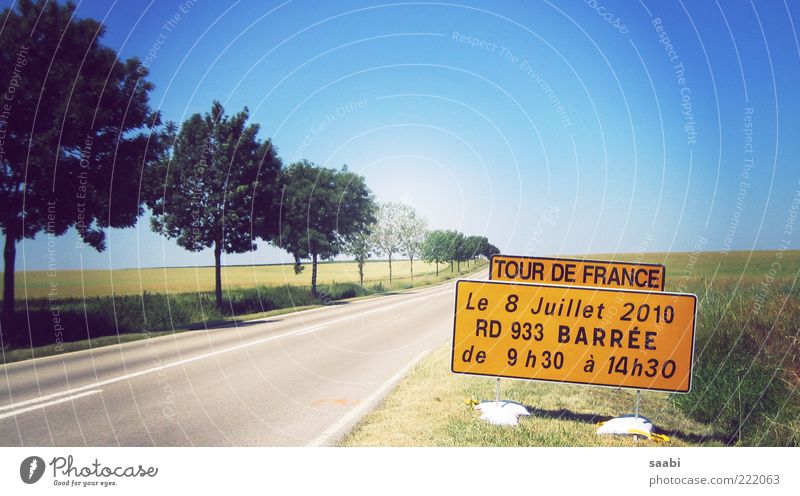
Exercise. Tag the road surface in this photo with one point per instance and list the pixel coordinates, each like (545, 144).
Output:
(293, 380)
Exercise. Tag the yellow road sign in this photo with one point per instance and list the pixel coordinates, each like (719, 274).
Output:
(577, 272)
(605, 337)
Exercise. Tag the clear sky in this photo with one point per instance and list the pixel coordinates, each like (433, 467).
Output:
(550, 127)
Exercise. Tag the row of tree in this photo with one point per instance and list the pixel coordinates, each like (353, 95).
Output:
(94, 155)
(399, 230)
(452, 246)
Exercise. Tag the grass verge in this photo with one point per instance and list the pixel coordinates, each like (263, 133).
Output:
(429, 408)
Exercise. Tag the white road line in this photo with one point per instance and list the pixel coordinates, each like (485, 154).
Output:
(334, 432)
(50, 403)
(190, 359)
(313, 329)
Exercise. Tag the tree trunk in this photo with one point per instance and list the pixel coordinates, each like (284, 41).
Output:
(9, 256)
(361, 272)
(411, 259)
(451, 266)
(218, 273)
(459, 265)
(314, 275)
(390, 270)
(437, 269)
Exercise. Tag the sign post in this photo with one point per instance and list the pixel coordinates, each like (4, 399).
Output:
(578, 272)
(602, 337)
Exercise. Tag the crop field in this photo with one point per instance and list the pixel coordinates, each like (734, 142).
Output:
(140, 301)
(175, 280)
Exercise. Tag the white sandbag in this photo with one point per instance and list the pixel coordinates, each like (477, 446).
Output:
(630, 425)
(502, 412)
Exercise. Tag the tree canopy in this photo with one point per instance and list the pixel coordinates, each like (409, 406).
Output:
(436, 248)
(219, 177)
(412, 230)
(321, 211)
(76, 130)
(386, 234)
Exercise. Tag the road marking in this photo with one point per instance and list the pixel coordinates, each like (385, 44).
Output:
(335, 431)
(334, 402)
(49, 403)
(313, 329)
(184, 361)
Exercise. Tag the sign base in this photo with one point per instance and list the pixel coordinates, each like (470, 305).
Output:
(631, 425)
(501, 412)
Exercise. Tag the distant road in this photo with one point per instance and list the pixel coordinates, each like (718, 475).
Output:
(298, 379)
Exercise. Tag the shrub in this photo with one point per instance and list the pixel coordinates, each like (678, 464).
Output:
(106, 316)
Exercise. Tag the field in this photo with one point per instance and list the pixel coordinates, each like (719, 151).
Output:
(745, 386)
(139, 305)
(175, 280)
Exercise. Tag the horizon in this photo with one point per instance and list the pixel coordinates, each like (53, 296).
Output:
(401, 260)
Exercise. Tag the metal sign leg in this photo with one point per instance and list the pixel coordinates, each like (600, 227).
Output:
(636, 413)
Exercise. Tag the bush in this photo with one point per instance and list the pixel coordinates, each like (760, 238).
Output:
(73, 320)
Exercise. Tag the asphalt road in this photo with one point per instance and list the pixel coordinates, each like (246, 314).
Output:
(297, 379)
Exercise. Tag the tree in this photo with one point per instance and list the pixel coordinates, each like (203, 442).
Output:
(322, 211)
(435, 249)
(474, 246)
(219, 178)
(450, 246)
(490, 250)
(360, 247)
(76, 131)
(460, 250)
(412, 230)
(386, 237)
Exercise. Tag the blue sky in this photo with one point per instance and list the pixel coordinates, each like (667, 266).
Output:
(551, 128)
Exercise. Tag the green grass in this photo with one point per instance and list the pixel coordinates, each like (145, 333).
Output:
(46, 327)
(745, 380)
(176, 280)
